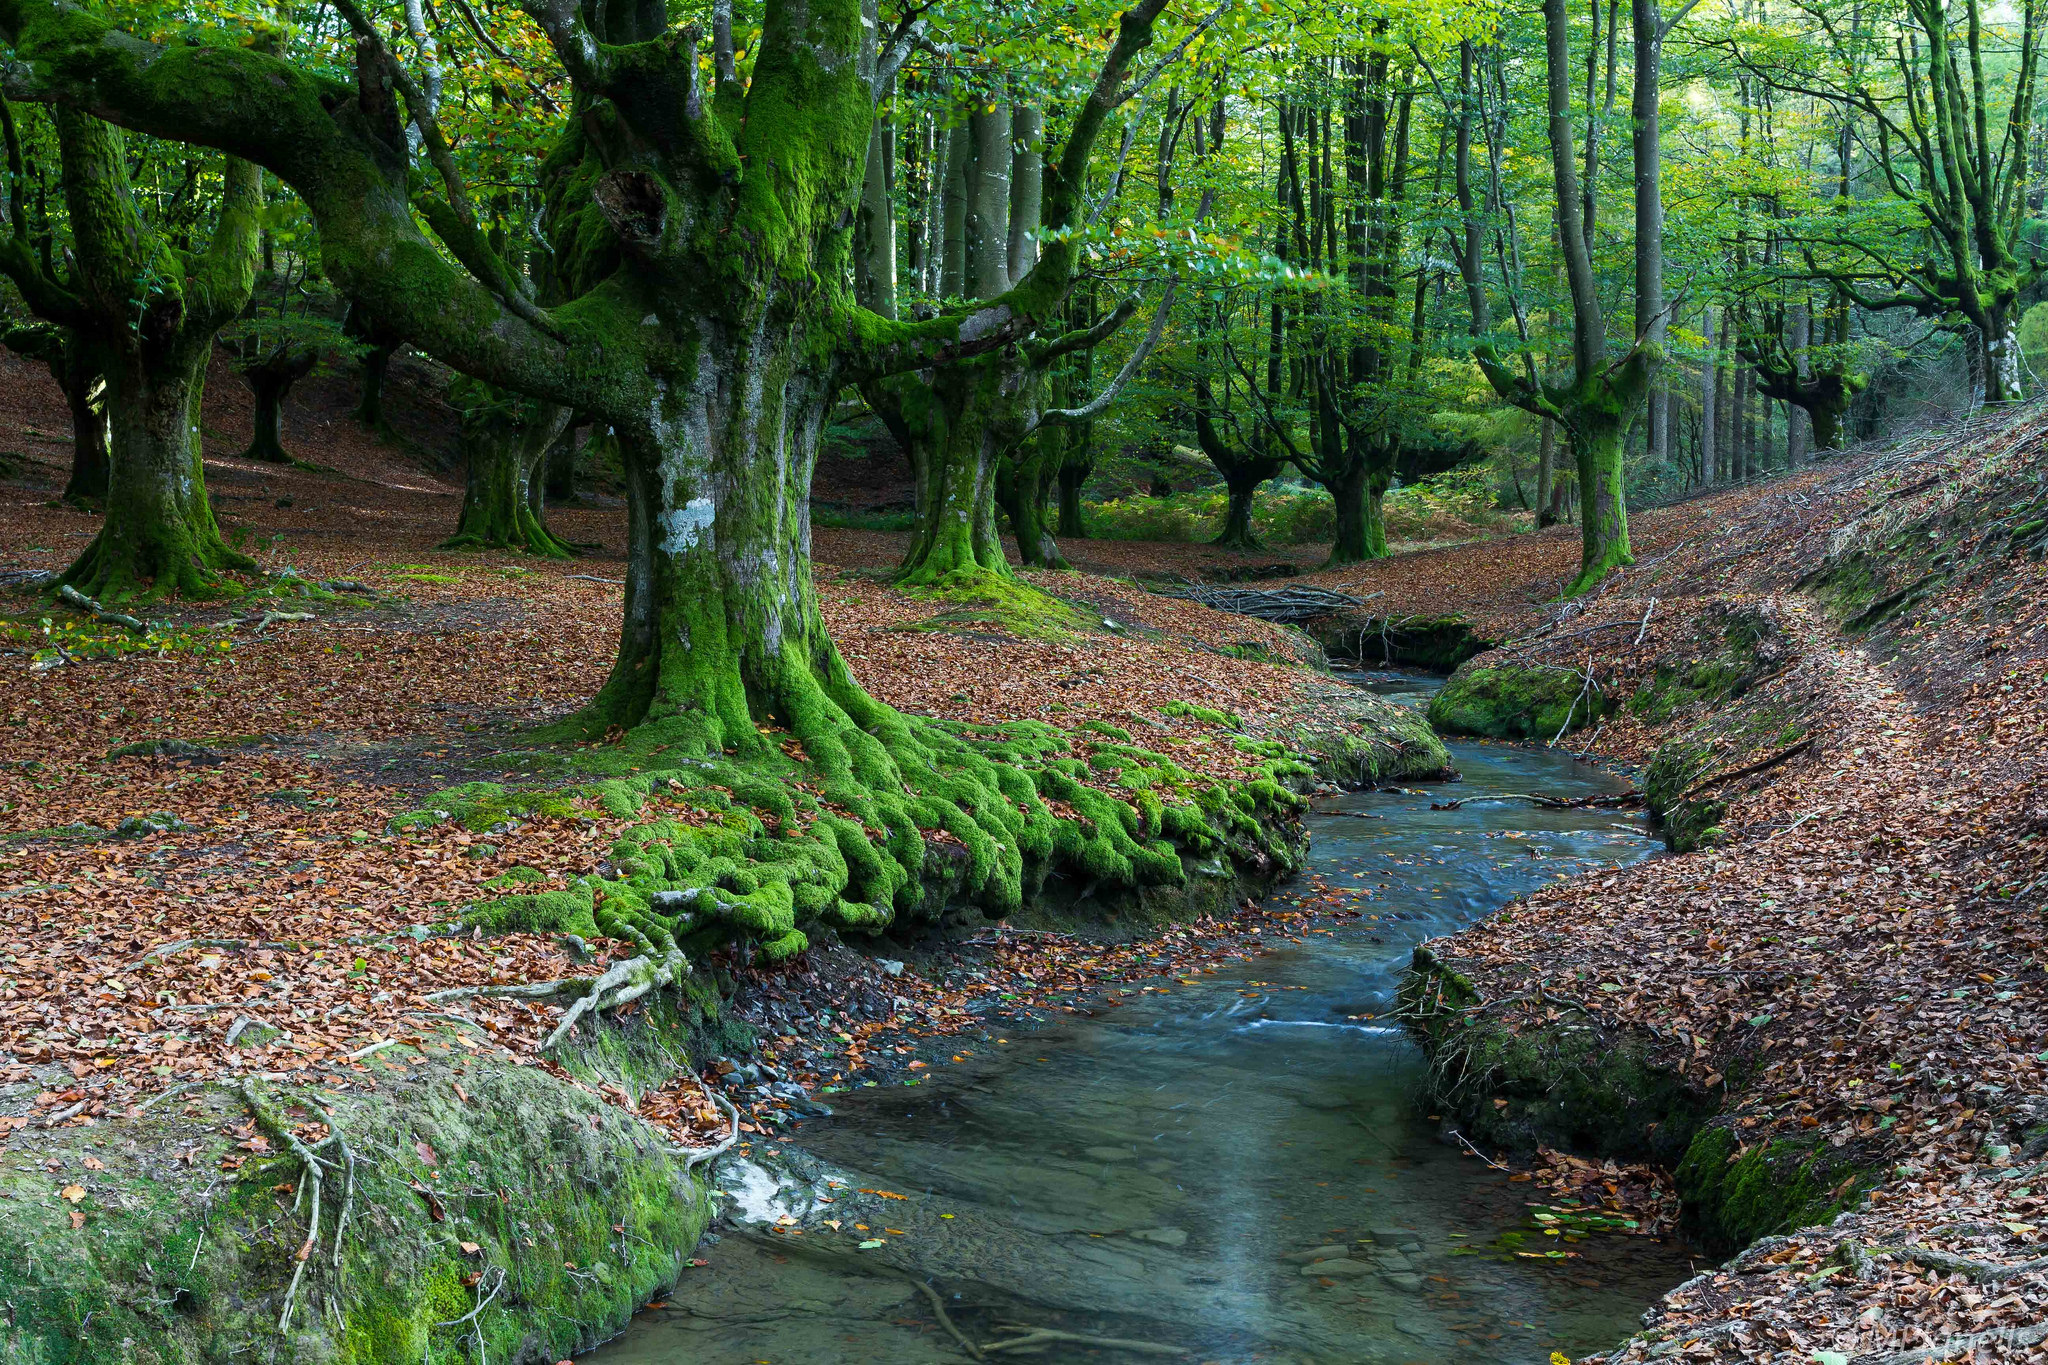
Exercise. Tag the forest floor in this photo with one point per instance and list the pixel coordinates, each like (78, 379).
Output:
(259, 864)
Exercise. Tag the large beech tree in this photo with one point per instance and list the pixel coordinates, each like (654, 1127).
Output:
(712, 347)
(144, 313)
(1596, 402)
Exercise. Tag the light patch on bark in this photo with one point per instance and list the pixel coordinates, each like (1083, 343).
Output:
(685, 526)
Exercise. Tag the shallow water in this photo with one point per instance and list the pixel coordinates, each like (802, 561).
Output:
(1148, 1173)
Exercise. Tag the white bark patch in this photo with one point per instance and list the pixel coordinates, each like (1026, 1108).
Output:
(683, 527)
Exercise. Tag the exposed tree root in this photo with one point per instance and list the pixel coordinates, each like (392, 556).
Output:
(732, 1114)
(1980, 1272)
(939, 1308)
(312, 1181)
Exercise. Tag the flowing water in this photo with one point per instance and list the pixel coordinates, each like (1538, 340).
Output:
(1163, 1172)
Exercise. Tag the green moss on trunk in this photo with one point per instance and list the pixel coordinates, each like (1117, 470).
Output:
(506, 440)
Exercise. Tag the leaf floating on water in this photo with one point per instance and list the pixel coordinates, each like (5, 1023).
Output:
(870, 1244)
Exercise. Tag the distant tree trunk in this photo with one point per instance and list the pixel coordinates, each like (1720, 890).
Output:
(1710, 374)
(270, 379)
(75, 364)
(559, 480)
(159, 536)
(874, 234)
(953, 213)
(506, 445)
(988, 202)
(85, 392)
(1027, 187)
(1724, 407)
(1797, 423)
(1073, 524)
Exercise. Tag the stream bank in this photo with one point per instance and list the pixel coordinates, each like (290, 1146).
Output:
(1229, 1162)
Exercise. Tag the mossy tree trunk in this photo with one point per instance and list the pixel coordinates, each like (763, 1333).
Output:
(270, 377)
(947, 420)
(507, 448)
(1024, 485)
(1074, 471)
(558, 479)
(159, 536)
(1357, 484)
(1596, 405)
(971, 429)
(70, 360)
(1244, 471)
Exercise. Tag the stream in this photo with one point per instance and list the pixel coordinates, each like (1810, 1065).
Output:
(1165, 1172)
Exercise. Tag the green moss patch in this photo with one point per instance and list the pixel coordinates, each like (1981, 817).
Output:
(1503, 700)
(576, 1210)
(1735, 1194)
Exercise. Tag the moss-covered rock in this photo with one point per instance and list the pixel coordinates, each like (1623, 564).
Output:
(1499, 699)
(182, 1239)
(1573, 1083)
(1356, 739)
(1438, 643)
(1522, 1080)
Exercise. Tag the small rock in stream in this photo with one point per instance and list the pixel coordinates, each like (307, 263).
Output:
(1333, 1252)
(1166, 1237)
(1342, 1269)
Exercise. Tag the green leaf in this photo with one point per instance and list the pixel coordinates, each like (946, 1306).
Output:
(870, 1244)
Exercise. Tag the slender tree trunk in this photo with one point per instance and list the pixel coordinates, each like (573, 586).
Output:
(1710, 375)
(85, 392)
(1073, 522)
(1546, 475)
(987, 222)
(559, 478)
(1027, 187)
(266, 443)
(1798, 425)
(953, 213)
(874, 237)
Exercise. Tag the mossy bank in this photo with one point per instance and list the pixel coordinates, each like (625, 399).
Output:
(1520, 1075)
(471, 1209)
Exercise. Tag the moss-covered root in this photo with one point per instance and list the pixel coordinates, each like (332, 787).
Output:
(576, 1211)
(1492, 696)
(896, 822)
